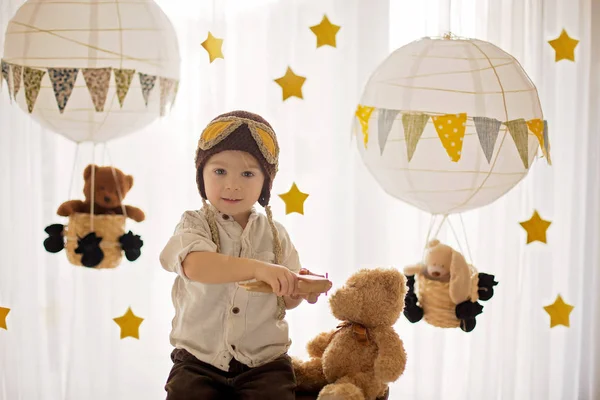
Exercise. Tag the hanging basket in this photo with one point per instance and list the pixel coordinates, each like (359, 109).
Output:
(102, 247)
(434, 297)
(107, 227)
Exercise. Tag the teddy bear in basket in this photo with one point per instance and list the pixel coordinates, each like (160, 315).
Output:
(104, 190)
(364, 354)
(448, 289)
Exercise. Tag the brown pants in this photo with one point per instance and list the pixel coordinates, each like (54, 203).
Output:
(192, 379)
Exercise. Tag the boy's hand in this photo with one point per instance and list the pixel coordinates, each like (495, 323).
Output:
(283, 281)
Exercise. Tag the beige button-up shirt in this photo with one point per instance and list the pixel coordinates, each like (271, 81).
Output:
(216, 322)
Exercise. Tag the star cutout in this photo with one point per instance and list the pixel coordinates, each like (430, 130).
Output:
(559, 312)
(325, 32)
(129, 324)
(213, 46)
(3, 313)
(294, 200)
(536, 228)
(564, 46)
(291, 84)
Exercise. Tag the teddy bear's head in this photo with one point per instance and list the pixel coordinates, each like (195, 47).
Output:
(370, 297)
(111, 185)
(442, 262)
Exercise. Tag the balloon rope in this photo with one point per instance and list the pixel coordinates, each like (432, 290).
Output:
(466, 239)
(93, 188)
(431, 223)
(455, 236)
(440, 227)
(73, 170)
(116, 180)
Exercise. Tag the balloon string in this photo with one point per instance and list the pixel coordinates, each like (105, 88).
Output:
(431, 223)
(440, 227)
(466, 239)
(73, 170)
(455, 236)
(117, 183)
(93, 188)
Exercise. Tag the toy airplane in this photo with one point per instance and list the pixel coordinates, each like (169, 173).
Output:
(307, 283)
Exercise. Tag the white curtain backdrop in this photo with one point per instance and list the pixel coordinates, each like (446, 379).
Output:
(61, 341)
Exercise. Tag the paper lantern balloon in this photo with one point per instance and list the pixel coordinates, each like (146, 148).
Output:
(91, 71)
(449, 125)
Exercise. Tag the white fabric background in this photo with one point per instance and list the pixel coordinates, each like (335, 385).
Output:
(62, 342)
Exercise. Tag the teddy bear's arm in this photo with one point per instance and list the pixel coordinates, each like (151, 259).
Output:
(317, 346)
(391, 356)
(413, 269)
(135, 213)
(69, 207)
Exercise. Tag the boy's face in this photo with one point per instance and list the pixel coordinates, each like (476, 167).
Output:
(233, 181)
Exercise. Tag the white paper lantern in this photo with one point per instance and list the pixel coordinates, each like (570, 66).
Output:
(133, 39)
(433, 113)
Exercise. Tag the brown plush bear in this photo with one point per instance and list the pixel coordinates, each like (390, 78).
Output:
(358, 359)
(106, 194)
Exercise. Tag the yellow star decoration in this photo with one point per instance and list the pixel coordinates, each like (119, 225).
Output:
(559, 312)
(3, 313)
(291, 84)
(536, 228)
(363, 113)
(213, 46)
(129, 324)
(564, 46)
(294, 200)
(325, 32)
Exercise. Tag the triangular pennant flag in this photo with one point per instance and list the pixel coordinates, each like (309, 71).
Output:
(518, 131)
(487, 131)
(17, 74)
(384, 125)
(63, 81)
(167, 85)
(547, 143)
(414, 125)
(123, 78)
(147, 82)
(536, 126)
(97, 81)
(5, 74)
(175, 91)
(363, 113)
(32, 81)
(451, 130)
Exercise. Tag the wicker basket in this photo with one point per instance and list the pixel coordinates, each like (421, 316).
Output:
(434, 297)
(109, 227)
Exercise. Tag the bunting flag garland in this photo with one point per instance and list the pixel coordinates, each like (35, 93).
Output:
(17, 71)
(123, 78)
(5, 74)
(414, 125)
(518, 131)
(487, 131)
(63, 80)
(147, 82)
(363, 113)
(32, 81)
(97, 81)
(385, 122)
(451, 129)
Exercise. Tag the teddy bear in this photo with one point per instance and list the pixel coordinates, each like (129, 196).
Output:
(110, 187)
(448, 289)
(364, 354)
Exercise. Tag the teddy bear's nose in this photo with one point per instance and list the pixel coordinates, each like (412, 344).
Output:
(436, 274)
(107, 199)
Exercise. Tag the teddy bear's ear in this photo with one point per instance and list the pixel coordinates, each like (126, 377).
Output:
(129, 181)
(87, 172)
(460, 278)
(433, 243)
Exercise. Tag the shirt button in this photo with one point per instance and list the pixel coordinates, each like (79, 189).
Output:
(225, 216)
(235, 310)
(233, 347)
